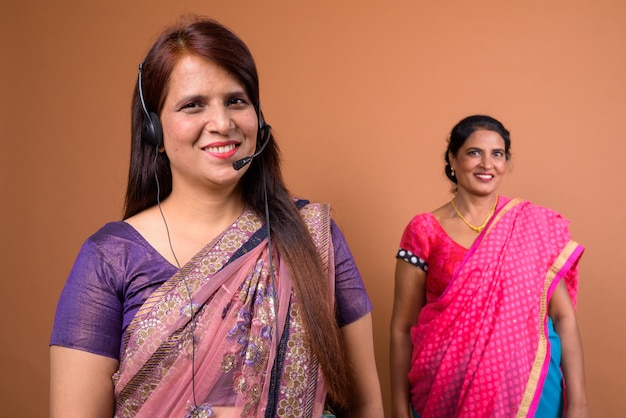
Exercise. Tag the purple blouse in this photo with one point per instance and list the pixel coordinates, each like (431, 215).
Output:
(116, 270)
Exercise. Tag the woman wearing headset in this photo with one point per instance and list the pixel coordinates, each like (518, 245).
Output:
(188, 307)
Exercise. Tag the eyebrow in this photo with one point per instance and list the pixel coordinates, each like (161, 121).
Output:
(191, 98)
(481, 150)
(202, 97)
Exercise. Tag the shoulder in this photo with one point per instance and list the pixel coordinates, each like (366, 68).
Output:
(542, 222)
(306, 206)
(419, 236)
(543, 213)
(114, 230)
(116, 246)
(114, 235)
(422, 223)
(98, 270)
(316, 215)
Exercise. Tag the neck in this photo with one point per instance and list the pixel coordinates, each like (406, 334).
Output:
(192, 213)
(475, 212)
(473, 204)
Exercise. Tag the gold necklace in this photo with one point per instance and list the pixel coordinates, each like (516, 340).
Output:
(472, 227)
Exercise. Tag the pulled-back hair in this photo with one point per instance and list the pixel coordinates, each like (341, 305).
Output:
(209, 39)
(466, 127)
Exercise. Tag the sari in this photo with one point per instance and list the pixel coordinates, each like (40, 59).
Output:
(483, 347)
(238, 313)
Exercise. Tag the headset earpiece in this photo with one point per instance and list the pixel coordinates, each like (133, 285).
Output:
(151, 130)
(263, 127)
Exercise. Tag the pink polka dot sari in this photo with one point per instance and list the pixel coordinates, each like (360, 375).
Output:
(481, 348)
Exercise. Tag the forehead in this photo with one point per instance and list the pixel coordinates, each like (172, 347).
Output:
(483, 138)
(194, 69)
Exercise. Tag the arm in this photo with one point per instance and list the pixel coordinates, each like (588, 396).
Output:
(409, 298)
(562, 313)
(80, 384)
(358, 340)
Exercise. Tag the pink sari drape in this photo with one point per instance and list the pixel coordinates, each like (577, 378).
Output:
(235, 332)
(481, 349)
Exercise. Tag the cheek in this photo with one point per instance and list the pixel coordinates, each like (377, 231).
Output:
(250, 126)
(467, 163)
(178, 131)
(253, 130)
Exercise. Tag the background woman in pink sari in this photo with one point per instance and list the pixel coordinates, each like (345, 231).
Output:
(219, 294)
(484, 322)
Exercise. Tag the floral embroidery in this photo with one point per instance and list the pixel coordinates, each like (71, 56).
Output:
(289, 407)
(257, 354)
(229, 362)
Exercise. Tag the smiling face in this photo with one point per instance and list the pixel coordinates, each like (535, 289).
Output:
(208, 122)
(481, 163)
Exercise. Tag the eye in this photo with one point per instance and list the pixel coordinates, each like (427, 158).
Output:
(191, 107)
(237, 102)
(473, 152)
(498, 154)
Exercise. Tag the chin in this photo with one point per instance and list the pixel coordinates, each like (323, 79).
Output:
(483, 192)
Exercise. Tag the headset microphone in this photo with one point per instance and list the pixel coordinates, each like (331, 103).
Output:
(239, 164)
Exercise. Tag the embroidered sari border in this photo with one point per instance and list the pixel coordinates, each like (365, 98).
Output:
(319, 213)
(532, 395)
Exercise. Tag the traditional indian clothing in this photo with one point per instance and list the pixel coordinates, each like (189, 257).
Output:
(238, 312)
(484, 345)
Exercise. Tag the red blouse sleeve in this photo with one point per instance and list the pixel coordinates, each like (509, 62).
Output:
(414, 244)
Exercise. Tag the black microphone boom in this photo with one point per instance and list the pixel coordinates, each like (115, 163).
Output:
(239, 164)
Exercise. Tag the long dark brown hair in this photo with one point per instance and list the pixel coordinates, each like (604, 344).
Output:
(209, 39)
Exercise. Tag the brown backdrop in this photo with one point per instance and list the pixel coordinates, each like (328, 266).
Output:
(361, 95)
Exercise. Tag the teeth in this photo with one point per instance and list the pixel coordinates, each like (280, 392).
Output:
(484, 176)
(221, 149)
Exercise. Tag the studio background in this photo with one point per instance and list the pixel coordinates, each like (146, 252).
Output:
(361, 95)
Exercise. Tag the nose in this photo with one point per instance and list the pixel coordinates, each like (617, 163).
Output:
(219, 120)
(487, 161)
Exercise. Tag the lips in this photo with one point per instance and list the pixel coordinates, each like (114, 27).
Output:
(222, 150)
(484, 176)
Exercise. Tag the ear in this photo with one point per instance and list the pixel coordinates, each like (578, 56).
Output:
(451, 158)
